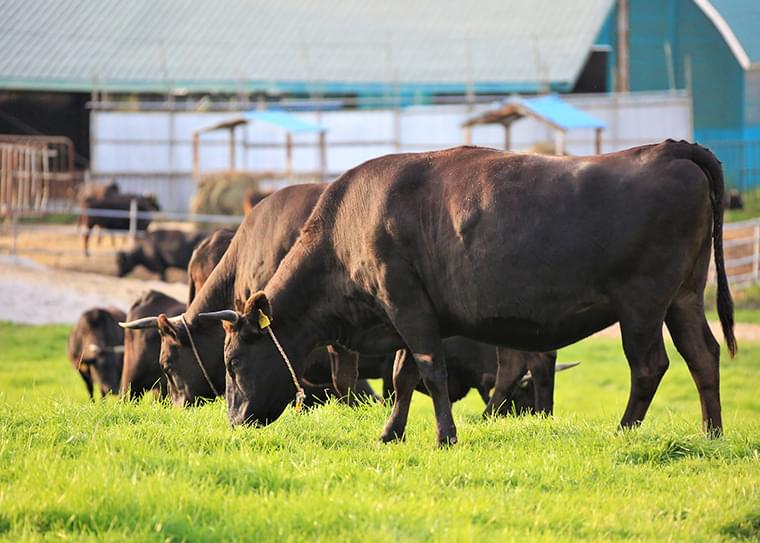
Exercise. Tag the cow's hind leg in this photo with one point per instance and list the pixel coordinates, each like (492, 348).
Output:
(645, 351)
(696, 343)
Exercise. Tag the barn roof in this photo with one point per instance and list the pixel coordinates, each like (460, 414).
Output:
(296, 45)
(738, 22)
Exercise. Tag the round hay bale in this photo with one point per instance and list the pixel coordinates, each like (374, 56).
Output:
(223, 193)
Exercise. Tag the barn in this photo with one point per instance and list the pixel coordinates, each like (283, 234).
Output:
(712, 49)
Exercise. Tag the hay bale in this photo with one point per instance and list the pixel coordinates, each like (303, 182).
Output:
(223, 193)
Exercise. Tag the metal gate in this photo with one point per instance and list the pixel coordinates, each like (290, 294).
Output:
(35, 170)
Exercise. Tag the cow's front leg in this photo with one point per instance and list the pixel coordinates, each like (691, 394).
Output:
(405, 379)
(511, 366)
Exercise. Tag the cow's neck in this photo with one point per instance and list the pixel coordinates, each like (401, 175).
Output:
(312, 295)
(217, 292)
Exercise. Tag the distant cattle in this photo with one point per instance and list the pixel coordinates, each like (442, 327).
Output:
(96, 349)
(251, 198)
(160, 250)
(113, 202)
(142, 371)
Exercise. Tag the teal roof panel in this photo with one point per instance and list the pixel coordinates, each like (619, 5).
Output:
(310, 45)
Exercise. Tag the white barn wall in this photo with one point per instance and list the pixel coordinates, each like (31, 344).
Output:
(152, 152)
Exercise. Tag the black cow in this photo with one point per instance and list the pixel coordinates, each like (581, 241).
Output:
(142, 371)
(96, 349)
(113, 202)
(526, 251)
(267, 234)
(160, 250)
(204, 259)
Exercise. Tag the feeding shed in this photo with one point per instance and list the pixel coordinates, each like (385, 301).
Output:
(290, 123)
(550, 110)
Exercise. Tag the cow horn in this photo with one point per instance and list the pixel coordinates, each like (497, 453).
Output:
(525, 379)
(93, 348)
(565, 366)
(145, 322)
(225, 315)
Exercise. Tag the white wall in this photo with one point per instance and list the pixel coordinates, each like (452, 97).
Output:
(151, 151)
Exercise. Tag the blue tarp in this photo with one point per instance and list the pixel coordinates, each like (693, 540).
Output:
(558, 112)
(284, 120)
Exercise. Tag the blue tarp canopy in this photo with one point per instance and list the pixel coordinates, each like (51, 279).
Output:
(550, 109)
(284, 120)
(560, 113)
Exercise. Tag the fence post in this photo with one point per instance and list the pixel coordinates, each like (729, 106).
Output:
(133, 220)
(756, 251)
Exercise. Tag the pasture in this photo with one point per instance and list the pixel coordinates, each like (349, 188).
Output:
(75, 470)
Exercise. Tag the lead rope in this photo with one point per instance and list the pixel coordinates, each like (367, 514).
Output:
(264, 323)
(197, 356)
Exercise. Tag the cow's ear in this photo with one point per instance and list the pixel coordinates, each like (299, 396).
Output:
(258, 301)
(165, 328)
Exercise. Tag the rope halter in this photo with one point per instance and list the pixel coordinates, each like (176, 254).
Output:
(198, 356)
(265, 324)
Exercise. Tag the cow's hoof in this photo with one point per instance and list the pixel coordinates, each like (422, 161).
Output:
(446, 442)
(389, 436)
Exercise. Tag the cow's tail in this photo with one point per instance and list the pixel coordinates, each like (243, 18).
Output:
(712, 168)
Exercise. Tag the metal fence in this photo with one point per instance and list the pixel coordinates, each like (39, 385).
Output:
(36, 171)
(741, 239)
(741, 162)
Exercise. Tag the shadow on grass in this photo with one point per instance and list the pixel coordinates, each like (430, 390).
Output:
(746, 529)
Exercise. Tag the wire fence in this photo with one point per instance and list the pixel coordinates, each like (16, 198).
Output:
(741, 239)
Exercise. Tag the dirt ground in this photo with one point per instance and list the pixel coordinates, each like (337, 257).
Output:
(52, 281)
(31, 293)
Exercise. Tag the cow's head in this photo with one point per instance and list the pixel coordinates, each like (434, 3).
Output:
(102, 355)
(184, 372)
(258, 383)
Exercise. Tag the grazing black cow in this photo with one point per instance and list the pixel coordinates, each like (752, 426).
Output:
(267, 234)
(142, 371)
(113, 202)
(527, 251)
(160, 250)
(96, 349)
(204, 259)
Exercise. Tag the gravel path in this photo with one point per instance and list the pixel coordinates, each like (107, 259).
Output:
(33, 294)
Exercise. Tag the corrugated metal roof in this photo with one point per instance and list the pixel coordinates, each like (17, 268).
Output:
(350, 45)
(743, 19)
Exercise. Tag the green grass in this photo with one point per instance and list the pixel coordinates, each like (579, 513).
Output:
(751, 200)
(111, 471)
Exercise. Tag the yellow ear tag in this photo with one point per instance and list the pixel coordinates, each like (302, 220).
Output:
(264, 321)
(299, 401)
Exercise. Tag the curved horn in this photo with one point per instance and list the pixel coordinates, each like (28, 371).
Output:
(225, 315)
(145, 322)
(94, 348)
(565, 366)
(523, 382)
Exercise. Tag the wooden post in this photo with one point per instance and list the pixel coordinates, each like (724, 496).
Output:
(232, 148)
(468, 135)
(507, 136)
(598, 140)
(196, 156)
(133, 220)
(756, 252)
(288, 153)
(559, 142)
(322, 156)
(623, 62)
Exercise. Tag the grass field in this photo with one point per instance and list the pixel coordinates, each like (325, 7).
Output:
(75, 470)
